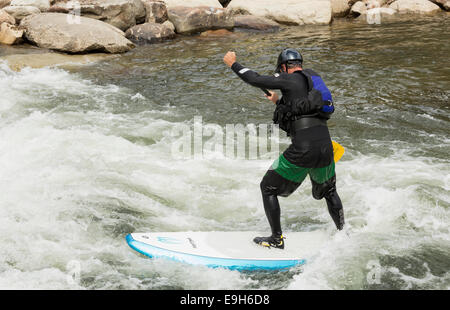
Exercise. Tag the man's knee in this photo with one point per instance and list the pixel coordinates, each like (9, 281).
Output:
(267, 187)
(320, 191)
(274, 184)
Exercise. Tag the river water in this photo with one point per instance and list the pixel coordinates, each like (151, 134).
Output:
(87, 156)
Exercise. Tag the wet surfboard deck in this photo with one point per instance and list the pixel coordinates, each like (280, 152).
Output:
(230, 250)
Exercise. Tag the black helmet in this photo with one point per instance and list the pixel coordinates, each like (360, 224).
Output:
(287, 56)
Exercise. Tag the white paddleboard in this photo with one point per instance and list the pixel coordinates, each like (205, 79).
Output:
(231, 250)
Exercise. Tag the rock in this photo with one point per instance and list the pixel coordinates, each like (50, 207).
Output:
(149, 33)
(4, 3)
(169, 24)
(198, 19)
(156, 11)
(415, 6)
(371, 4)
(53, 31)
(20, 12)
(193, 3)
(42, 5)
(140, 11)
(6, 18)
(358, 8)
(382, 11)
(445, 4)
(122, 14)
(58, 9)
(340, 8)
(255, 23)
(10, 34)
(296, 12)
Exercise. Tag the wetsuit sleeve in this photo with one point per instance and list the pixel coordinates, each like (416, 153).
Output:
(261, 81)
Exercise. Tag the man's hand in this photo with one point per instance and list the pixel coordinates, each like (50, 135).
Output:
(273, 97)
(229, 59)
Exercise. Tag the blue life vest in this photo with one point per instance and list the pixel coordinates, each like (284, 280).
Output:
(319, 102)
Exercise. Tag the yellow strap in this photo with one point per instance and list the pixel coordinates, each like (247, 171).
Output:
(338, 151)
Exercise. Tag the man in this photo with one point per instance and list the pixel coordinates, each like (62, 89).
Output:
(302, 112)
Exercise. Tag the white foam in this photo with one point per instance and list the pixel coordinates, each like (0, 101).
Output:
(387, 215)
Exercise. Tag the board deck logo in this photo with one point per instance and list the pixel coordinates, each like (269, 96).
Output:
(192, 243)
(169, 240)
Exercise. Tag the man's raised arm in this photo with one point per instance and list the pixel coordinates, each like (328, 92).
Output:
(250, 76)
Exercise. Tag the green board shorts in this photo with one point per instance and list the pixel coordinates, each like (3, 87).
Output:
(297, 174)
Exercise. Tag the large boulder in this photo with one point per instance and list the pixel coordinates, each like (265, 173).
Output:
(149, 33)
(10, 34)
(6, 18)
(54, 31)
(198, 19)
(340, 8)
(193, 3)
(20, 12)
(42, 5)
(414, 6)
(296, 12)
(255, 23)
(156, 11)
(122, 14)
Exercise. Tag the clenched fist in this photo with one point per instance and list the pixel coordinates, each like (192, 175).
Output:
(229, 59)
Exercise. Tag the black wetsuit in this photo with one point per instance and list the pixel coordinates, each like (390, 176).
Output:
(311, 152)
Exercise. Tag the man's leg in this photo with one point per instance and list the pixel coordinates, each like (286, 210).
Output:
(324, 186)
(272, 186)
(282, 180)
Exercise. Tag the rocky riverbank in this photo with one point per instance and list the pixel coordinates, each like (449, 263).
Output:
(116, 26)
